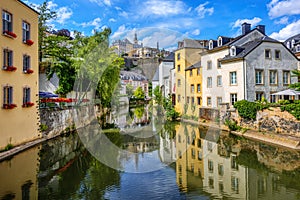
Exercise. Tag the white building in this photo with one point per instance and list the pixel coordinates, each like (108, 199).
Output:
(162, 75)
(250, 66)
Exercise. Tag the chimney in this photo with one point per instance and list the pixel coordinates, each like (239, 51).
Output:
(261, 28)
(246, 28)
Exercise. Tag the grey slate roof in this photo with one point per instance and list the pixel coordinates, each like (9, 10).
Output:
(244, 50)
(169, 58)
(127, 75)
(194, 66)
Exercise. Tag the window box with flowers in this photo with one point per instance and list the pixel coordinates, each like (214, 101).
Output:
(28, 42)
(9, 106)
(27, 105)
(9, 68)
(28, 71)
(9, 34)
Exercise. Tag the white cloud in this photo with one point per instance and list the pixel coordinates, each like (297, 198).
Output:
(201, 10)
(96, 23)
(239, 22)
(162, 8)
(286, 7)
(63, 13)
(123, 14)
(101, 2)
(112, 20)
(118, 8)
(283, 20)
(196, 32)
(287, 32)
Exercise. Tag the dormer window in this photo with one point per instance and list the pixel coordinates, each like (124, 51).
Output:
(288, 44)
(211, 45)
(220, 43)
(293, 43)
(233, 51)
(298, 48)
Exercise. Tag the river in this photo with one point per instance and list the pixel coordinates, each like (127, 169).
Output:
(151, 159)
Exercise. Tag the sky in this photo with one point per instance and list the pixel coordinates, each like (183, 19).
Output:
(168, 22)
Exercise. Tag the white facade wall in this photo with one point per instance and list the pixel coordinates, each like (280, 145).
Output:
(164, 74)
(214, 91)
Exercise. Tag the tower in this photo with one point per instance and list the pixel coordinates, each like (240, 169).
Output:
(135, 38)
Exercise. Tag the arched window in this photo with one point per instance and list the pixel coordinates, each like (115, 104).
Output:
(288, 44)
(220, 43)
(233, 51)
(211, 45)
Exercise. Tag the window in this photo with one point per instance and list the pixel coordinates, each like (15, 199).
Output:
(209, 82)
(7, 95)
(211, 45)
(233, 51)
(179, 138)
(277, 54)
(208, 101)
(199, 155)
(192, 88)
(273, 77)
(178, 68)
(219, 81)
(7, 22)
(193, 152)
(187, 99)
(210, 166)
(219, 64)
(178, 56)
(199, 101)
(191, 72)
(233, 98)
(26, 95)
(234, 164)
(219, 101)
(272, 98)
(286, 77)
(221, 169)
(233, 78)
(267, 53)
(209, 64)
(198, 72)
(199, 143)
(198, 88)
(192, 100)
(259, 74)
(211, 182)
(235, 184)
(219, 41)
(26, 63)
(259, 96)
(178, 98)
(7, 58)
(179, 82)
(26, 31)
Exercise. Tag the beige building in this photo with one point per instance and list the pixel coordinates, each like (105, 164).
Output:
(19, 74)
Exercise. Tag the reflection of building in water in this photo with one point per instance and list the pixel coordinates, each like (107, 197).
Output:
(222, 175)
(189, 163)
(19, 176)
(135, 80)
(167, 147)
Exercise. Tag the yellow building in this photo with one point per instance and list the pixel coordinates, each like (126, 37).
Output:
(187, 54)
(19, 74)
(193, 89)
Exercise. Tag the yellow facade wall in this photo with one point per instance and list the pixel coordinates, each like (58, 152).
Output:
(19, 125)
(188, 57)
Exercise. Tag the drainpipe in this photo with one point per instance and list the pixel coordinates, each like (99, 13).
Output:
(245, 79)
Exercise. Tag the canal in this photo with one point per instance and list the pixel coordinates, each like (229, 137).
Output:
(147, 158)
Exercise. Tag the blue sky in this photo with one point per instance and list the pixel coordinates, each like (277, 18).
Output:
(167, 22)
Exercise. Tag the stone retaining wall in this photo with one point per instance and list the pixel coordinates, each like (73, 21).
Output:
(59, 121)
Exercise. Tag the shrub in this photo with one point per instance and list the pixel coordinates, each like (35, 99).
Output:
(246, 109)
(232, 125)
(43, 127)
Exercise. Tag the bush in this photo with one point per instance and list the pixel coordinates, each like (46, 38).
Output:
(43, 127)
(232, 125)
(248, 110)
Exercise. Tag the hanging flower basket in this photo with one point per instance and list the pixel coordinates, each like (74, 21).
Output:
(29, 42)
(9, 68)
(28, 71)
(9, 106)
(27, 104)
(9, 33)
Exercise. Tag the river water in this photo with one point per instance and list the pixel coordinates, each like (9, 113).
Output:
(151, 159)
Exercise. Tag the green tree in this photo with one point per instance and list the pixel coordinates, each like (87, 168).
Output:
(296, 85)
(139, 93)
(158, 95)
(129, 90)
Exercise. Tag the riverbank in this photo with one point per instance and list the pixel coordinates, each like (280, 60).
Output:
(277, 139)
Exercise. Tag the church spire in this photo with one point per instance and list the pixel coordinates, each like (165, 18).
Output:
(135, 38)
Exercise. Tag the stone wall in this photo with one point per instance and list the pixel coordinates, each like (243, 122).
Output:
(58, 121)
(272, 120)
(209, 114)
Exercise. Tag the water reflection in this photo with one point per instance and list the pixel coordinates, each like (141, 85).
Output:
(191, 162)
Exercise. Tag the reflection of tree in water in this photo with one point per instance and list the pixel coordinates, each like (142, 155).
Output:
(139, 112)
(169, 129)
(83, 177)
